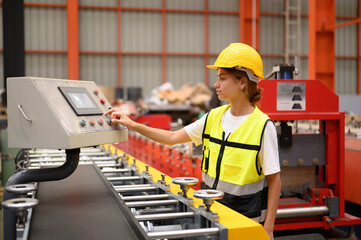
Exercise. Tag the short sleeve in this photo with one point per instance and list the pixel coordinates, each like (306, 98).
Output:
(195, 130)
(269, 150)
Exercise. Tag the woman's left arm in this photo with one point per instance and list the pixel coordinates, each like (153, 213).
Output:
(274, 189)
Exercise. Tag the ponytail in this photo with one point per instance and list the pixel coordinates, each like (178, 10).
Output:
(254, 92)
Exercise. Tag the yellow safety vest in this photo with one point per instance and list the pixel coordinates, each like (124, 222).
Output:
(231, 163)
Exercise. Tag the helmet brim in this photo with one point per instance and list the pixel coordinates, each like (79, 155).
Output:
(212, 66)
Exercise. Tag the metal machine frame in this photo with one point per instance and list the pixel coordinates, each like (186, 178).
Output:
(322, 105)
(136, 198)
(57, 114)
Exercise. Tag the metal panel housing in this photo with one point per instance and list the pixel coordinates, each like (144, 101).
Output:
(40, 117)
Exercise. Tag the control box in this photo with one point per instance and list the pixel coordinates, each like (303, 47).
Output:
(58, 114)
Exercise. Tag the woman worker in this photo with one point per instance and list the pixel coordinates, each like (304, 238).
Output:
(240, 150)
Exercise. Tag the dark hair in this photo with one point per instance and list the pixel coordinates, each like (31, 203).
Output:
(252, 90)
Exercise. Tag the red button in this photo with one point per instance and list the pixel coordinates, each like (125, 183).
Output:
(101, 122)
(102, 101)
(96, 92)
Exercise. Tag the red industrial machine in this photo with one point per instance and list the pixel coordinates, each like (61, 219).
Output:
(312, 159)
(352, 170)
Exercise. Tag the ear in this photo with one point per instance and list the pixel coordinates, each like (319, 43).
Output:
(243, 83)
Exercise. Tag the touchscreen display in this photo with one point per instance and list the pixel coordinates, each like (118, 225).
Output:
(80, 100)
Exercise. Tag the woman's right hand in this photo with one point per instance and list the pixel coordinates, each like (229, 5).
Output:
(120, 117)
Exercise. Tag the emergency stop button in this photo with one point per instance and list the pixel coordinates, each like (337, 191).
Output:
(102, 101)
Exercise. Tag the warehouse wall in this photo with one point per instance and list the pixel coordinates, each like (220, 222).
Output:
(272, 35)
(346, 48)
(137, 59)
(46, 41)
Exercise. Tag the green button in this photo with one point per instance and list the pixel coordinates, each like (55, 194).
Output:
(82, 123)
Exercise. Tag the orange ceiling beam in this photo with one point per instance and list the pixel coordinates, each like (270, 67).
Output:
(321, 62)
(73, 39)
(249, 22)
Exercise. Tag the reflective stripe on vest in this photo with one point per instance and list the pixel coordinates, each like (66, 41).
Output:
(235, 189)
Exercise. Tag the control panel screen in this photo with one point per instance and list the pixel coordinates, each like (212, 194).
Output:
(80, 101)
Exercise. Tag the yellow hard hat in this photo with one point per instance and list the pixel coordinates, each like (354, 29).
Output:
(239, 56)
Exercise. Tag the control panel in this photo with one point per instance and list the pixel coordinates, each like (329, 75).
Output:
(60, 114)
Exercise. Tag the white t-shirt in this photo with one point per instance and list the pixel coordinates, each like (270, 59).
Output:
(269, 147)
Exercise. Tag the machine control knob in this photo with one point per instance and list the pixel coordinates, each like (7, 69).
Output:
(21, 189)
(185, 183)
(92, 122)
(208, 196)
(100, 122)
(109, 121)
(96, 92)
(102, 101)
(83, 123)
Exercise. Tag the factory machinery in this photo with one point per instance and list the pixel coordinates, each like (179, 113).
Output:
(85, 192)
(115, 194)
(312, 163)
(135, 201)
